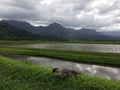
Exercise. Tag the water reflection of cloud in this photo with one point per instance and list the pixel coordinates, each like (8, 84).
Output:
(94, 70)
(115, 71)
(108, 77)
(77, 47)
(105, 72)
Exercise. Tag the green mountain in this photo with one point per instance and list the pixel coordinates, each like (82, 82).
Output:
(8, 32)
(21, 30)
(56, 31)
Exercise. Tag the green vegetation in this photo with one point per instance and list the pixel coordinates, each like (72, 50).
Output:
(8, 32)
(97, 42)
(63, 41)
(108, 59)
(5, 42)
(15, 75)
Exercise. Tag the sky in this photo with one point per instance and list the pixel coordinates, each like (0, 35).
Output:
(102, 15)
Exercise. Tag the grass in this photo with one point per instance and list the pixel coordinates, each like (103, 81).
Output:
(3, 42)
(15, 75)
(107, 59)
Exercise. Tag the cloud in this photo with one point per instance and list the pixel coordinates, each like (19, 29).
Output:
(96, 14)
(25, 4)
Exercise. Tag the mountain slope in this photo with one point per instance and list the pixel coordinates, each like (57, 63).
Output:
(8, 32)
(22, 25)
(111, 33)
(56, 31)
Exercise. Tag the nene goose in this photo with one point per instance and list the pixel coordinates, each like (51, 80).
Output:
(64, 72)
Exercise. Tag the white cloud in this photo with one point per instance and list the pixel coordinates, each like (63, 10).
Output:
(96, 14)
(115, 27)
(48, 2)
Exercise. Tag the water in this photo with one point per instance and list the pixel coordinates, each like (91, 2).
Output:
(75, 46)
(93, 70)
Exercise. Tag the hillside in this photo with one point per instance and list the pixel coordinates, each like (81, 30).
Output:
(111, 33)
(8, 32)
(54, 31)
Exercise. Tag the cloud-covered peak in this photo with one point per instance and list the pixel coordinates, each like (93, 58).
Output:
(96, 14)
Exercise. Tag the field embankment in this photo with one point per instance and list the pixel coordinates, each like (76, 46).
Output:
(107, 59)
(3, 42)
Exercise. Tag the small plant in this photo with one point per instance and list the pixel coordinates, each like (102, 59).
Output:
(27, 62)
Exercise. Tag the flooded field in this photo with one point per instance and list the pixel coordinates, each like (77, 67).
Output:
(94, 70)
(75, 46)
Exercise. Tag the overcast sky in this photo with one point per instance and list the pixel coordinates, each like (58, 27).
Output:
(96, 14)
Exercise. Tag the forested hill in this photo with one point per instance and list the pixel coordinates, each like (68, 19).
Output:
(11, 29)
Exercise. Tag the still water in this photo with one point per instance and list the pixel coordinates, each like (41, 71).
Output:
(75, 46)
(93, 70)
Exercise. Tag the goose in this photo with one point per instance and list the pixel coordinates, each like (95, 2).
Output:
(64, 72)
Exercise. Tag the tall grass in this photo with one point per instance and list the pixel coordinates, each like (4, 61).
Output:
(15, 75)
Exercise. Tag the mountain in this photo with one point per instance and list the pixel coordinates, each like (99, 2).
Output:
(22, 25)
(8, 32)
(111, 33)
(56, 31)
(91, 34)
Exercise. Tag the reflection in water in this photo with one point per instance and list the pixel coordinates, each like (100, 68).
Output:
(94, 70)
(76, 46)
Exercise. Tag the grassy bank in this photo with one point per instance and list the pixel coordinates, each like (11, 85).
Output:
(108, 59)
(39, 41)
(15, 75)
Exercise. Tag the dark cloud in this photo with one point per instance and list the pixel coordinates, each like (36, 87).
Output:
(25, 4)
(96, 14)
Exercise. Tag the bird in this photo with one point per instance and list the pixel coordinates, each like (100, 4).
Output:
(64, 72)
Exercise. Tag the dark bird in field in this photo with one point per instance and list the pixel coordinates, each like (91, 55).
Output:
(64, 72)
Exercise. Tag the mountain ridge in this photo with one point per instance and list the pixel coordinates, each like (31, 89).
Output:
(8, 32)
(56, 31)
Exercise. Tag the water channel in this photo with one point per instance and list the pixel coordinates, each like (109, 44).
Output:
(93, 70)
